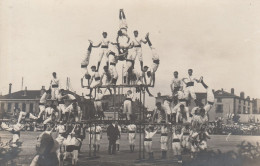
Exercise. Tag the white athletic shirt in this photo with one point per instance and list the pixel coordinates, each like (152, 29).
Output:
(176, 136)
(176, 82)
(137, 41)
(55, 81)
(130, 96)
(149, 135)
(104, 42)
(164, 129)
(191, 79)
(60, 129)
(131, 127)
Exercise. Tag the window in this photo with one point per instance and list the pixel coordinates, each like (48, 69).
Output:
(24, 107)
(9, 107)
(248, 103)
(16, 105)
(244, 102)
(239, 101)
(248, 110)
(219, 109)
(239, 109)
(3, 107)
(219, 100)
(244, 110)
(31, 107)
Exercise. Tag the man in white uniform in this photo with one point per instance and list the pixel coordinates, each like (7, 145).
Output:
(106, 79)
(149, 133)
(43, 101)
(61, 104)
(137, 43)
(85, 61)
(98, 104)
(129, 66)
(118, 140)
(176, 144)
(182, 98)
(122, 23)
(128, 104)
(183, 115)
(155, 58)
(96, 136)
(131, 130)
(15, 130)
(103, 50)
(112, 67)
(49, 113)
(210, 96)
(95, 79)
(167, 107)
(190, 85)
(55, 85)
(164, 141)
(25, 114)
(175, 86)
(74, 113)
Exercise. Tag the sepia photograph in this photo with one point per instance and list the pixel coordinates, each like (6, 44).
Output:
(129, 83)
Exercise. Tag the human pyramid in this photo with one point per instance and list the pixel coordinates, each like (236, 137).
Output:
(123, 49)
(183, 128)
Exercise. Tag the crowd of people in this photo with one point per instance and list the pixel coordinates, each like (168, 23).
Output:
(66, 120)
(123, 49)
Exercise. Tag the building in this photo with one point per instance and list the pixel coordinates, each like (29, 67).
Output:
(25, 100)
(256, 106)
(228, 103)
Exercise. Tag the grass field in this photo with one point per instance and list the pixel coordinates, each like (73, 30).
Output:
(124, 156)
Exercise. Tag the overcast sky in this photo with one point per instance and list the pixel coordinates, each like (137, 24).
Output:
(218, 39)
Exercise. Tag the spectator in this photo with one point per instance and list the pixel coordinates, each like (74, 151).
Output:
(112, 135)
(46, 153)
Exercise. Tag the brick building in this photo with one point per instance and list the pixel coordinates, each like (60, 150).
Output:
(27, 100)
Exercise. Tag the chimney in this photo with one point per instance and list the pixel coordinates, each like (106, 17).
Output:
(222, 89)
(248, 98)
(25, 91)
(159, 94)
(10, 88)
(242, 95)
(232, 91)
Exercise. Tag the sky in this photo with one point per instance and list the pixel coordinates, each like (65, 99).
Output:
(218, 39)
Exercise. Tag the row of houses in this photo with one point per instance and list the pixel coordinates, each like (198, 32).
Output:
(228, 103)
(28, 100)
